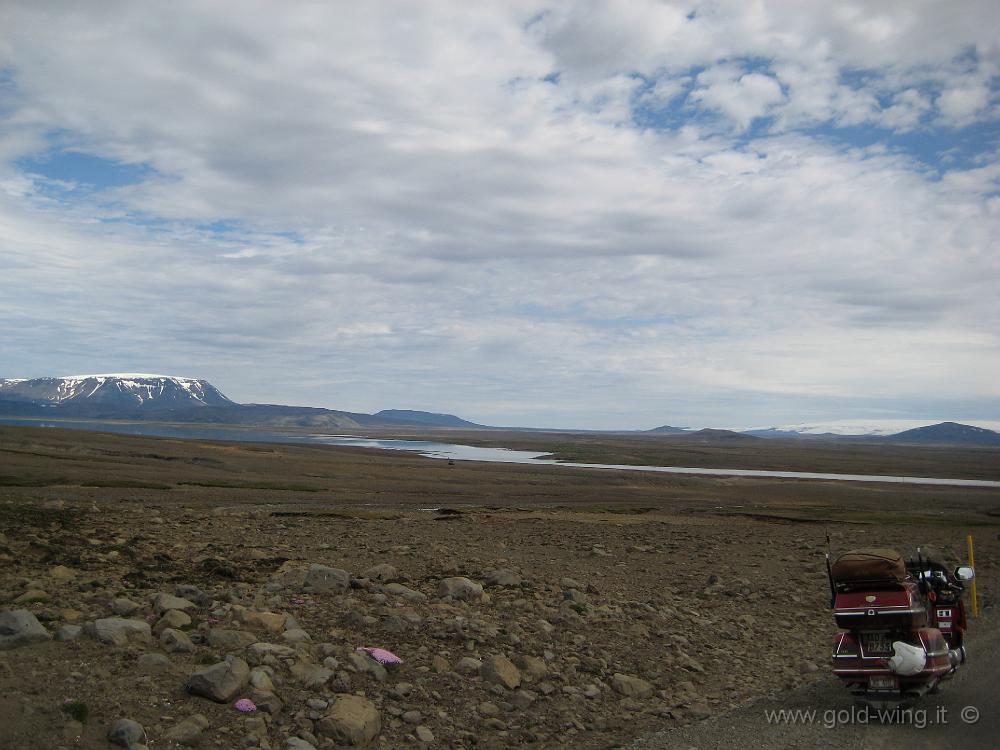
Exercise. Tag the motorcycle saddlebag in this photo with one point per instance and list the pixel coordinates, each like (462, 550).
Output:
(869, 564)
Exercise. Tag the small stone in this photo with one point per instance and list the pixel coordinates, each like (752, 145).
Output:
(532, 666)
(266, 701)
(68, 632)
(260, 679)
(19, 628)
(383, 573)
(699, 710)
(270, 621)
(631, 687)
(503, 577)
(311, 676)
(117, 631)
(440, 665)
(460, 588)
(294, 743)
(398, 589)
(220, 682)
(524, 698)
(424, 734)
(259, 653)
(125, 607)
(353, 720)
(126, 733)
(164, 602)
(62, 573)
(296, 635)
(400, 690)
(468, 665)
(488, 709)
(323, 580)
(187, 732)
(172, 618)
(412, 717)
(176, 641)
(501, 671)
(230, 640)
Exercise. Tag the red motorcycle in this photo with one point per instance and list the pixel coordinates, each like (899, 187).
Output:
(902, 624)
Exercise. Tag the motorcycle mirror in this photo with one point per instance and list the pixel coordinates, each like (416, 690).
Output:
(965, 573)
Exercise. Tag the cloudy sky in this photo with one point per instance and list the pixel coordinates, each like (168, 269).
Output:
(577, 214)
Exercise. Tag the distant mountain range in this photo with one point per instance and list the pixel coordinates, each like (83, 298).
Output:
(168, 398)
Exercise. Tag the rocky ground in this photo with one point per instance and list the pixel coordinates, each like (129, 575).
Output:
(146, 622)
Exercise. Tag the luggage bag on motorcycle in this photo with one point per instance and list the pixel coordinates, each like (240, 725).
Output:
(868, 565)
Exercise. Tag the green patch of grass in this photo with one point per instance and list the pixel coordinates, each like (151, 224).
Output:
(256, 486)
(77, 710)
(866, 517)
(17, 516)
(8, 480)
(135, 484)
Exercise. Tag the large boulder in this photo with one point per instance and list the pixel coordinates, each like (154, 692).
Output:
(220, 682)
(353, 721)
(323, 580)
(19, 628)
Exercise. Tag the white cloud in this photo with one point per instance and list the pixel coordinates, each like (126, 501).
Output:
(960, 105)
(422, 219)
(742, 98)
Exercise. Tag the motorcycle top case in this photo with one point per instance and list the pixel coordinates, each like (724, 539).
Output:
(902, 608)
(869, 565)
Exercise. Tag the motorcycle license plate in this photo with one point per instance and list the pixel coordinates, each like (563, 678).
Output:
(876, 643)
(883, 683)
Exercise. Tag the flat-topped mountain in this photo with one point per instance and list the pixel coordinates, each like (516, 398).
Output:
(130, 391)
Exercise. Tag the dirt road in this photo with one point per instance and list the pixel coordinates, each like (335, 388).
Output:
(821, 715)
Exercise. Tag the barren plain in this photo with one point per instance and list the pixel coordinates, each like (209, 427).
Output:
(539, 606)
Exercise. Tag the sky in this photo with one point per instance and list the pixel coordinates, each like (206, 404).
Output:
(561, 214)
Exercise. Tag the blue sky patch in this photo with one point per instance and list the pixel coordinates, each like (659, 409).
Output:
(86, 170)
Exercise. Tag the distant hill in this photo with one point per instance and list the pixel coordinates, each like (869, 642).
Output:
(948, 432)
(668, 430)
(427, 418)
(712, 435)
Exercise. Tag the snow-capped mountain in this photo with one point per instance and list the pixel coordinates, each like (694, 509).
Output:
(133, 391)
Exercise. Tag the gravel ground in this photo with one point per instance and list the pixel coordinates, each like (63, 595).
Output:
(936, 721)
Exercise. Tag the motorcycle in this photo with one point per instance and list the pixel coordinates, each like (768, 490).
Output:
(902, 624)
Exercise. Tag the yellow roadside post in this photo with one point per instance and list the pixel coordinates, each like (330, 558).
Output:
(972, 564)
